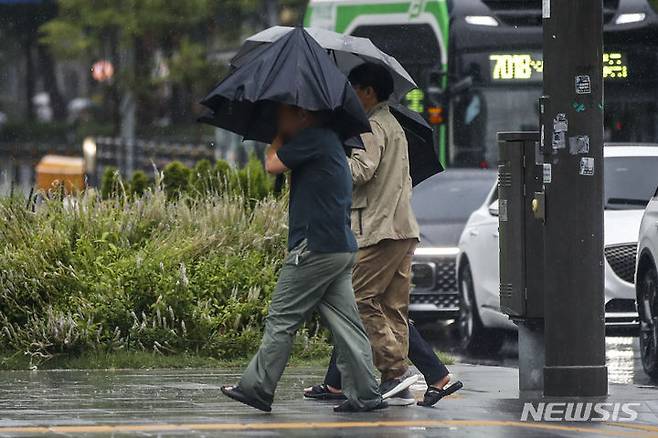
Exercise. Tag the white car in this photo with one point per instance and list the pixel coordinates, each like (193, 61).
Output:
(630, 180)
(646, 284)
(434, 295)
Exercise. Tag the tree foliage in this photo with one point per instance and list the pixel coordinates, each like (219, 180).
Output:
(161, 50)
(138, 37)
(83, 25)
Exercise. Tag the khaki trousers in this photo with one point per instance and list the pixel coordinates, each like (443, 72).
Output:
(382, 280)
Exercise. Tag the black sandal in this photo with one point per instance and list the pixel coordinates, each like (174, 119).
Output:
(322, 392)
(433, 395)
(236, 394)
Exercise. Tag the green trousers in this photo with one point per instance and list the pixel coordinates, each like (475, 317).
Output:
(309, 281)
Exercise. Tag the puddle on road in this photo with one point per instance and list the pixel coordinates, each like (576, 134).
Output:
(622, 355)
(623, 360)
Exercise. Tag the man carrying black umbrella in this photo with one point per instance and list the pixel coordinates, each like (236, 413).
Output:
(317, 273)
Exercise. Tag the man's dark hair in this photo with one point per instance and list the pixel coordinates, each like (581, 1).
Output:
(375, 76)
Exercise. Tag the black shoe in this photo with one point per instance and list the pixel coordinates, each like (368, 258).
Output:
(433, 395)
(391, 387)
(236, 393)
(347, 406)
(322, 392)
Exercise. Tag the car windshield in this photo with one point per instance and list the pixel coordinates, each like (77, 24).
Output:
(630, 182)
(451, 196)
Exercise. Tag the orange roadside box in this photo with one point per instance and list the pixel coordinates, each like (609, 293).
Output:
(53, 170)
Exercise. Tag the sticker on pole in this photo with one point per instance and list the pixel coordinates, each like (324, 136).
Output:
(502, 210)
(579, 144)
(547, 174)
(587, 166)
(583, 84)
(546, 9)
(560, 128)
(560, 123)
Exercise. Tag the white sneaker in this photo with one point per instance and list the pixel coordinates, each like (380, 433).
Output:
(402, 398)
(391, 387)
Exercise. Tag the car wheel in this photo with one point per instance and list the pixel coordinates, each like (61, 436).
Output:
(648, 310)
(475, 337)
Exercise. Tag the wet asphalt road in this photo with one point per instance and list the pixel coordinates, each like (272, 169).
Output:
(622, 352)
(188, 403)
(167, 403)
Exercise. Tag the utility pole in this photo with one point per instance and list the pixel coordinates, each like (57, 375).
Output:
(572, 142)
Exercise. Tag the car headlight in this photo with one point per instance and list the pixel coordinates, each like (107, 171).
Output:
(433, 251)
(631, 18)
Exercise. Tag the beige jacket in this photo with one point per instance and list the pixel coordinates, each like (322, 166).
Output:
(381, 200)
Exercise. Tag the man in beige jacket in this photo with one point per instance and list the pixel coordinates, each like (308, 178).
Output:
(386, 231)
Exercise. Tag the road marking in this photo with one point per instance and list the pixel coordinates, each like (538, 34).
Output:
(612, 429)
(646, 427)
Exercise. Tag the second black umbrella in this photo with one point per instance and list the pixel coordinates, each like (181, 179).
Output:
(423, 159)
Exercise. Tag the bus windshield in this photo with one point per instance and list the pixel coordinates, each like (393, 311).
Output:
(419, 58)
(507, 86)
(482, 112)
(631, 116)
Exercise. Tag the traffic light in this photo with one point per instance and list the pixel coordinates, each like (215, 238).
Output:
(435, 115)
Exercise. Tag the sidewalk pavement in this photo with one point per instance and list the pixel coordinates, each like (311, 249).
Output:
(188, 403)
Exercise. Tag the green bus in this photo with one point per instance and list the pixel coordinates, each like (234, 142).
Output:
(478, 65)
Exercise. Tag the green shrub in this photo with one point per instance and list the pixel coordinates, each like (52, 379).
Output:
(139, 183)
(254, 181)
(203, 179)
(110, 182)
(175, 179)
(223, 169)
(142, 275)
(225, 174)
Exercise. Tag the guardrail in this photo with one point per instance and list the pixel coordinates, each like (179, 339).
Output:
(19, 159)
(111, 151)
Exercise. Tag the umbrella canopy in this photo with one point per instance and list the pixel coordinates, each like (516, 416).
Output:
(347, 52)
(294, 70)
(423, 159)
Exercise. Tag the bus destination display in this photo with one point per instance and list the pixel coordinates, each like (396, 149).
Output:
(530, 66)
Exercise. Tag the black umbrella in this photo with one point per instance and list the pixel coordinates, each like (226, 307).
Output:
(294, 70)
(423, 159)
(347, 52)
